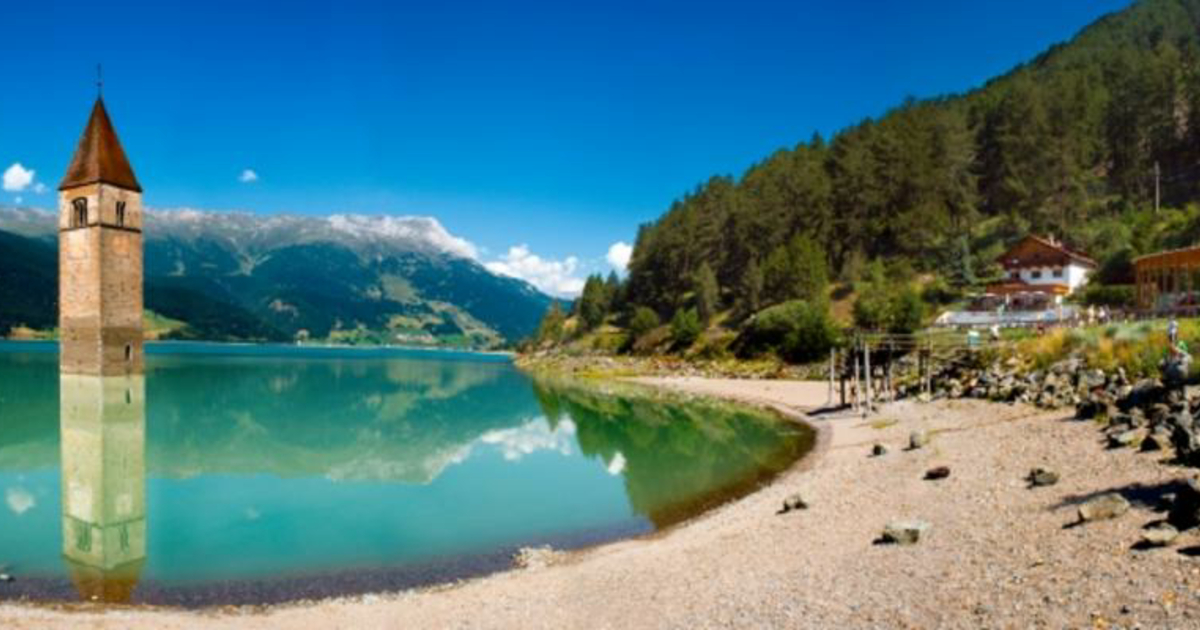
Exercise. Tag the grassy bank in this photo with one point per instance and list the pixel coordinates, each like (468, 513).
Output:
(1136, 347)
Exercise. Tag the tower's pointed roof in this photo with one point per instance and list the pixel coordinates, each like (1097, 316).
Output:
(99, 157)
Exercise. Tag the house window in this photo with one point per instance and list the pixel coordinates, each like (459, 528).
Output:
(1058, 272)
(79, 216)
(121, 213)
(1036, 274)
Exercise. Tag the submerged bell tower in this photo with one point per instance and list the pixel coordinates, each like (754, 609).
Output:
(100, 256)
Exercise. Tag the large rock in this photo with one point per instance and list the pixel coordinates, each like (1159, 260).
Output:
(1127, 439)
(1160, 535)
(1185, 509)
(1158, 440)
(904, 532)
(1143, 394)
(940, 472)
(794, 501)
(536, 557)
(1092, 379)
(1103, 507)
(1185, 438)
(1089, 408)
(918, 439)
(1039, 477)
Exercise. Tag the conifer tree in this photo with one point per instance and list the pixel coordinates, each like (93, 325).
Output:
(707, 293)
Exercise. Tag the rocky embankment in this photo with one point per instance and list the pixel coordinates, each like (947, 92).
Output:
(1145, 414)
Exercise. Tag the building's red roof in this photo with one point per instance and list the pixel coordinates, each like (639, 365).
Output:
(1034, 251)
(99, 157)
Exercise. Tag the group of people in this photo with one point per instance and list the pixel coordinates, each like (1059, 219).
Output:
(1097, 315)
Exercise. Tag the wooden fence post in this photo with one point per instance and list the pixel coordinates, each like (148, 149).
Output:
(855, 355)
(832, 361)
(867, 369)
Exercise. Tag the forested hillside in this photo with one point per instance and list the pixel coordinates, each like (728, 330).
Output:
(1066, 144)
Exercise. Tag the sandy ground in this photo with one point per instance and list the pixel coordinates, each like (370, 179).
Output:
(998, 555)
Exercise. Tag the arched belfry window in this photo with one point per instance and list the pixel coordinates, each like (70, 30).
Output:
(120, 213)
(79, 217)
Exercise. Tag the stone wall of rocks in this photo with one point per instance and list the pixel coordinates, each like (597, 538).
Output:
(1145, 414)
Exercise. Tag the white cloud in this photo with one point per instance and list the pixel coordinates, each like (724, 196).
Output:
(617, 465)
(39, 188)
(556, 277)
(248, 176)
(17, 178)
(517, 442)
(19, 200)
(19, 500)
(619, 254)
(409, 228)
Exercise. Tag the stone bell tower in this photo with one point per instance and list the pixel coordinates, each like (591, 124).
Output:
(100, 256)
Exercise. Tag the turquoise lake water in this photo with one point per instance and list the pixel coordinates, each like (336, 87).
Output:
(250, 474)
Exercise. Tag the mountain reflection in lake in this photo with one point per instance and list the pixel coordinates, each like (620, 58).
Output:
(258, 474)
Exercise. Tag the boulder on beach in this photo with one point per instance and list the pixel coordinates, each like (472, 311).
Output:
(1106, 506)
(1039, 477)
(1160, 535)
(940, 472)
(917, 439)
(1127, 439)
(904, 532)
(794, 501)
(536, 557)
(878, 450)
(1185, 509)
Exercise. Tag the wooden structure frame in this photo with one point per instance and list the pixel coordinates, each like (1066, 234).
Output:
(1171, 273)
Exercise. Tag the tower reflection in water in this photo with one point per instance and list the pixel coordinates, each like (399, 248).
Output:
(103, 437)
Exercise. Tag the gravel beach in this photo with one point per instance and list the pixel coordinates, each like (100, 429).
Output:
(997, 553)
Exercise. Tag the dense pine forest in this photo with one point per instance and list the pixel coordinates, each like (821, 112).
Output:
(924, 199)
(1083, 143)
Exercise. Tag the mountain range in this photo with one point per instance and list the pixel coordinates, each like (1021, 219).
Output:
(242, 276)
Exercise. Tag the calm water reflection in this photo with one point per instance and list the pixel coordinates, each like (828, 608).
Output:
(103, 436)
(265, 474)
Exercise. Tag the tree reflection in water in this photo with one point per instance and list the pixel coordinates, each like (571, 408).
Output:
(678, 456)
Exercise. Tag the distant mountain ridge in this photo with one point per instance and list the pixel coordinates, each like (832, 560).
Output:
(353, 278)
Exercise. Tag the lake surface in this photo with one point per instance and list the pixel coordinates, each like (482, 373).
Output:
(256, 474)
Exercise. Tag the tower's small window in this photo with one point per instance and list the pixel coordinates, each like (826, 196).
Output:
(79, 213)
(128, 353)
(121, 213)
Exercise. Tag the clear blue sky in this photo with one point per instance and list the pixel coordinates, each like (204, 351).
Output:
(561, 125)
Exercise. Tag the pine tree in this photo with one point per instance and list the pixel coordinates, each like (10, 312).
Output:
(707, 293)
(752, 288)
(612, 293)
(551, 327)
(593, 303)
(962, 269)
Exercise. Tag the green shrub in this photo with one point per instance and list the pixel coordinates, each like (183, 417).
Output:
(797, 331)
(1110, 295)
(939, 292)
(643, 321)
(686, 327)
(874, 297)
(907, 312)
